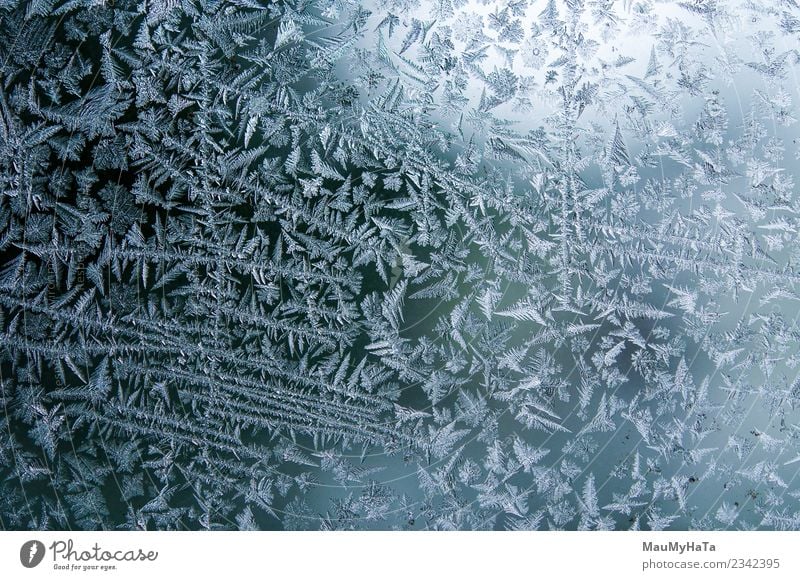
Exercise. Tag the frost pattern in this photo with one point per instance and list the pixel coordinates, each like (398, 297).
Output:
(413, 264)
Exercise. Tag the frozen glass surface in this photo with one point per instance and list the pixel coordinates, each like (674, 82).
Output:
(411, 264)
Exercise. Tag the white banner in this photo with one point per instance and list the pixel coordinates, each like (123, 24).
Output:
(372, 555)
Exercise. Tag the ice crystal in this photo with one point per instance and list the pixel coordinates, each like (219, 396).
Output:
(341, 264)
